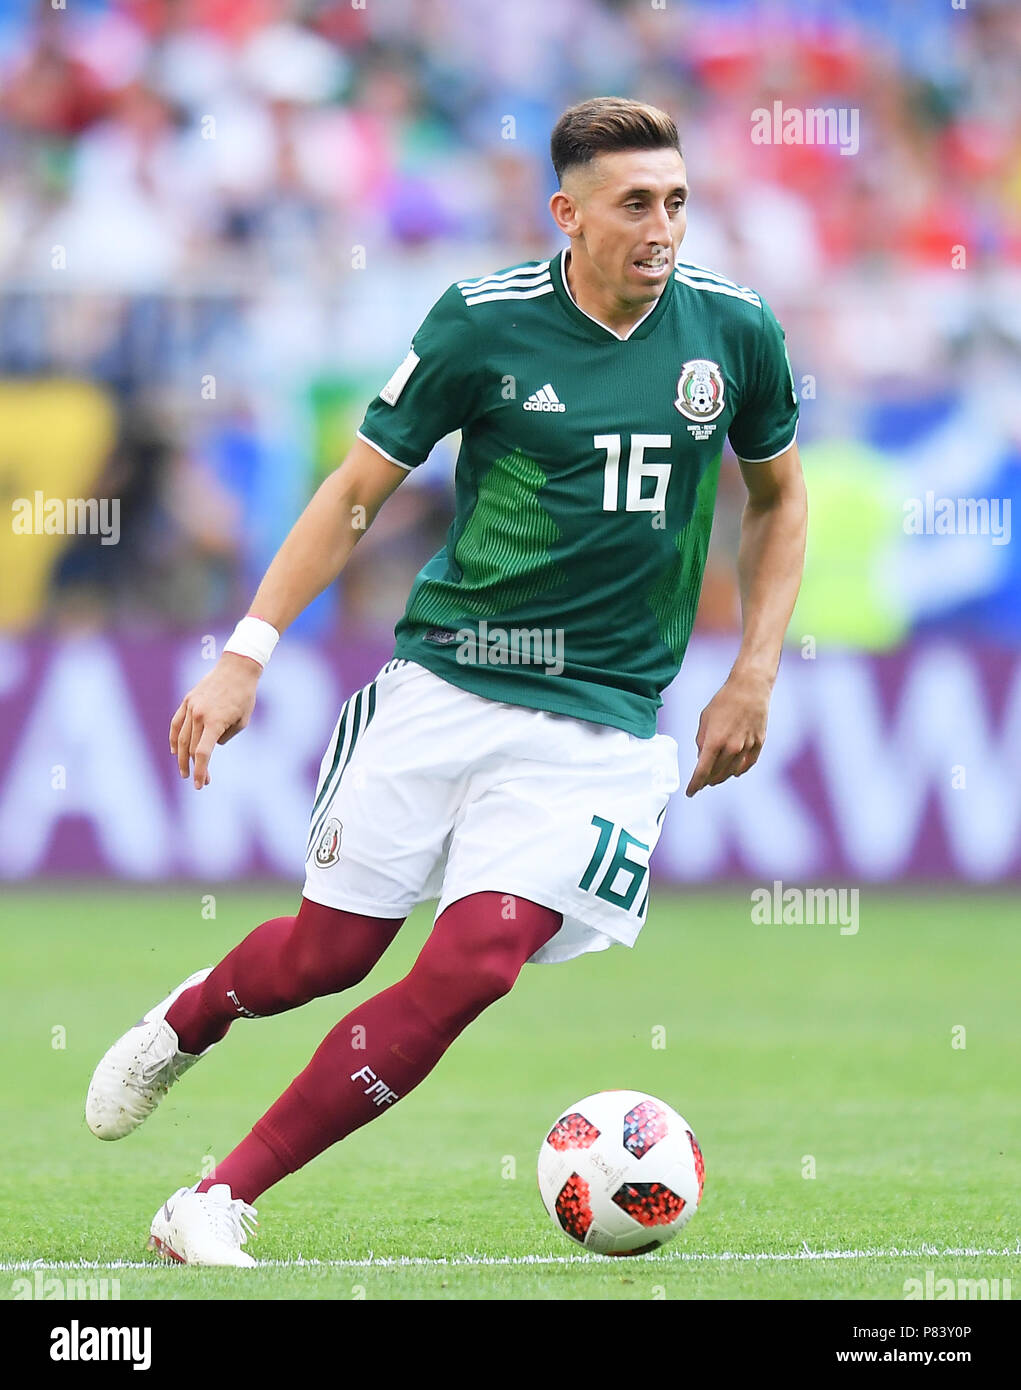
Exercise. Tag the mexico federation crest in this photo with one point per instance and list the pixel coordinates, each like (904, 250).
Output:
(328, 847)
(700, 390)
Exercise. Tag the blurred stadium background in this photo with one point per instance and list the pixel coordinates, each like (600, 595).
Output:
(221, 222)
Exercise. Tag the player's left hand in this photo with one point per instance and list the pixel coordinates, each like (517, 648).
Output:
(731, 731)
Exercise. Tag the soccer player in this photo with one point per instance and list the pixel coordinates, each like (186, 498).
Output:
(507, 758)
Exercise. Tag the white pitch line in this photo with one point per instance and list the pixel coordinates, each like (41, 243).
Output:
(475, 1261)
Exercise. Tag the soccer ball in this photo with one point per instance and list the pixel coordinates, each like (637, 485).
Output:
(621, 1173)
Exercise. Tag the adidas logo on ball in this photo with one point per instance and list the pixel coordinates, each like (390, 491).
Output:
(544, 399)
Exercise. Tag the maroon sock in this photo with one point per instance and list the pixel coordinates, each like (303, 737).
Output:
(278, 966)
(387, 1045)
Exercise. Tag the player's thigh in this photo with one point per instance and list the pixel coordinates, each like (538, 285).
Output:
(575, 836)
(389, 785)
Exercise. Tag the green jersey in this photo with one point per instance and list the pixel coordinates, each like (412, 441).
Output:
(585, 483)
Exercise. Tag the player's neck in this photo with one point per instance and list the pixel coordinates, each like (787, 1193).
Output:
(604, 308)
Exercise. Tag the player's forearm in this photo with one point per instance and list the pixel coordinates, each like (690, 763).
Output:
(315, 551)
(770, 563)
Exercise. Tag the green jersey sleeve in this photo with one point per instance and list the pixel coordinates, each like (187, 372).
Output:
(767, 420)
(435, 389)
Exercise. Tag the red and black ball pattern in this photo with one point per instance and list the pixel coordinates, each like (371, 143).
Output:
(574, 1207)
(645, 1124)
(699, 1163)
(572, 1132)
(649, 1203)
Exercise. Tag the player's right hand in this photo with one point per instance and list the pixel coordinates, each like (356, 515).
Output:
(219, 707)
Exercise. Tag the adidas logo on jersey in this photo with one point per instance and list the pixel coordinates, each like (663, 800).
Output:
(544, 399)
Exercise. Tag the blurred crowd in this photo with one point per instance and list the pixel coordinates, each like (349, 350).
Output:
(229, 216)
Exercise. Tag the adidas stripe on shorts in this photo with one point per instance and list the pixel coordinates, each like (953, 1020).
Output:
(427, 790)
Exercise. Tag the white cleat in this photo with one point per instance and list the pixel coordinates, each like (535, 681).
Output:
(203, 1228)
(138, 1071)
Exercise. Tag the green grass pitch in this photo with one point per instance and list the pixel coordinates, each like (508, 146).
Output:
(788, 1048)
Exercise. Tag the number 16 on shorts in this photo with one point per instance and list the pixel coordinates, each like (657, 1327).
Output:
(619, 868)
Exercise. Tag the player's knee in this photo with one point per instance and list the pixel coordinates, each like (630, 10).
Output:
(305, 962)
(493, 975)
(326, 958)
(453, 982)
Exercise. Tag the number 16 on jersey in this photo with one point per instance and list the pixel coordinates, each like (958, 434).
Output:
(623, 877)
(637, 471)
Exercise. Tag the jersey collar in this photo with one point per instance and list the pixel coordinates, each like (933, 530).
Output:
(593, 327)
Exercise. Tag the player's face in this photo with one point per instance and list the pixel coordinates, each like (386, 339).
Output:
(631, 219)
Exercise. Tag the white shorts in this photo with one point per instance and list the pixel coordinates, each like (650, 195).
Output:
(426, 790)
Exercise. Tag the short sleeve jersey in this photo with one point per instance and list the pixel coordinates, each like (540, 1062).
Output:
(585, 482)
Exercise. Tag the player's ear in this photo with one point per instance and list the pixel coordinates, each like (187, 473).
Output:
(564, 211)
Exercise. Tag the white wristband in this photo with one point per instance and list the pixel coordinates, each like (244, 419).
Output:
(253, 638)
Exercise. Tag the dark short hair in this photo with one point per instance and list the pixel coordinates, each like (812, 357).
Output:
(607, 124)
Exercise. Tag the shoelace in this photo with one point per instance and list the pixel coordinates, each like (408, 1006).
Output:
(162, 1061)
(150, 1071)
(232, 1222)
